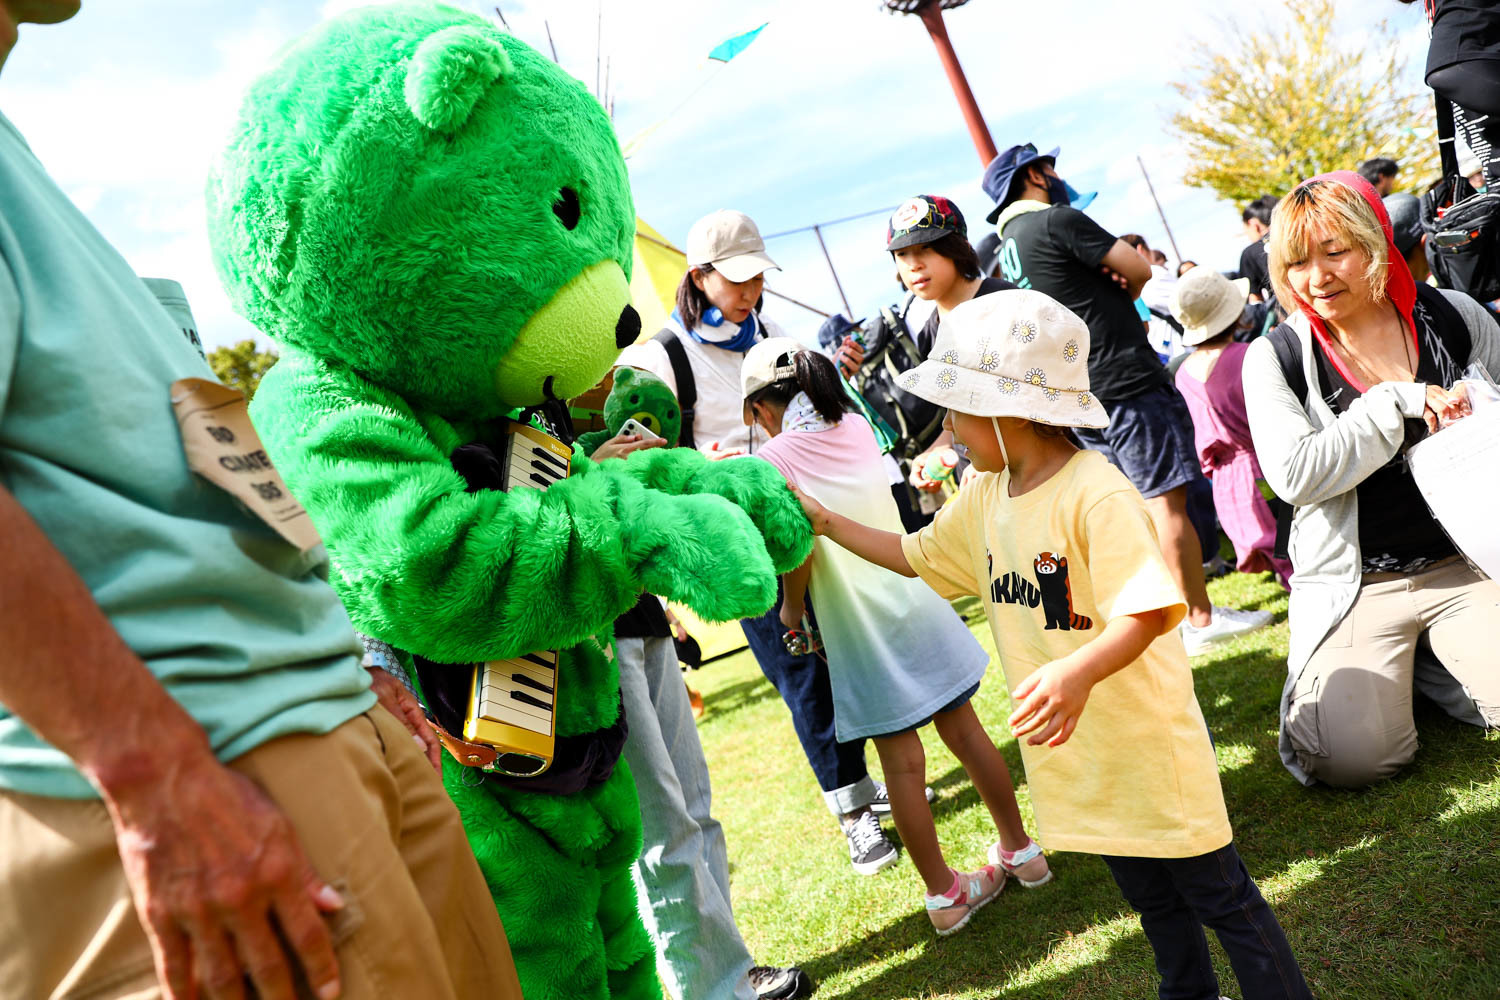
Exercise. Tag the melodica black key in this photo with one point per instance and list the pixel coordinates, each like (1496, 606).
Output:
(512, 702)
(533, 458)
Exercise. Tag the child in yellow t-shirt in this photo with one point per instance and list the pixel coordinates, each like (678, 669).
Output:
(1084, 614)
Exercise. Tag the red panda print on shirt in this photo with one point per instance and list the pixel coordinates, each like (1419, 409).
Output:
(1057, 595)
(1051, 590)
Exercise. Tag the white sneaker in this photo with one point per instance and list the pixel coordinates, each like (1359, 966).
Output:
(881, 804)
(1224, 624)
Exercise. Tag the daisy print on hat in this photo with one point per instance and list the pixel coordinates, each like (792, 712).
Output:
(1013, 353)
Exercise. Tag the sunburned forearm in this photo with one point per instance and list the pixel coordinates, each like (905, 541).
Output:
(99, 704)
(883, 548)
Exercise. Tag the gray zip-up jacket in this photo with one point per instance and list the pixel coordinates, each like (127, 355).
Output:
(1314, 458)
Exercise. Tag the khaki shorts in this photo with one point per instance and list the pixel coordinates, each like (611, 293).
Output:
(372, 818)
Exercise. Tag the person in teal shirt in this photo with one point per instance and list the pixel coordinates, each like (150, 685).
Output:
(178, 678)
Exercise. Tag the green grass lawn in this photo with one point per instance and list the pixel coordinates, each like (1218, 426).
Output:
(1384, 893)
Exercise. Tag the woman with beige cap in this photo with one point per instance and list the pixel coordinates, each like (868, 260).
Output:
(1210, 309)
(717, 319)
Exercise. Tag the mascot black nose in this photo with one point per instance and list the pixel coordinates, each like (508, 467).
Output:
(628, 328)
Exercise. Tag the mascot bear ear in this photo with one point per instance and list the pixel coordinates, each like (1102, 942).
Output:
(449, 73)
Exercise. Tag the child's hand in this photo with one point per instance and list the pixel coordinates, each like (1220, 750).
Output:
(816, 513)
(791, 616)
(1049, 703)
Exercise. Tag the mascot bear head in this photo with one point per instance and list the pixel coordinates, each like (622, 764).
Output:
(449, 216)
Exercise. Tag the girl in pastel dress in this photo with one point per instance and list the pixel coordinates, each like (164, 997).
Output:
(1209, 307)
(899, 657)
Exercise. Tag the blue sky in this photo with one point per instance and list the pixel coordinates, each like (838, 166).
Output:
(838, 108)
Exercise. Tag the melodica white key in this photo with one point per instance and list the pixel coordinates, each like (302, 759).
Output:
(533, 458)
(512, 702)
(511, 707)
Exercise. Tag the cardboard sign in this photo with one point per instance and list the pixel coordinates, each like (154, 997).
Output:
(222, 447)
(1458, 471)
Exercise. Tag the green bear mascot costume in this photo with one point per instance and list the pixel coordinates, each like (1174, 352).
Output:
(434, 224)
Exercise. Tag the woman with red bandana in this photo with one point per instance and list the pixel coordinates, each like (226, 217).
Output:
(1361, 370)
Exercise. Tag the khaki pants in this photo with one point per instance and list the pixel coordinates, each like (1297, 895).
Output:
(372, 818)
(1350, 718)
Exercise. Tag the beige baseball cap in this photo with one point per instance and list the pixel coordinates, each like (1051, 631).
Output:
(1205, 303)
(731, 243)
(760, 367)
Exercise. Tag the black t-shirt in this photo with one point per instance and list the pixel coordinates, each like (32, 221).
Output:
(928, 333)
(1058, 251)
(1397, 532)
(1463, 30)
(644, 621)
(1257, 267)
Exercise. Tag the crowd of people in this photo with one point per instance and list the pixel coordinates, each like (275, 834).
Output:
(1106, 415)
(1183, 398)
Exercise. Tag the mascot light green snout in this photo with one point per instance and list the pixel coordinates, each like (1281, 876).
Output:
(434, 224)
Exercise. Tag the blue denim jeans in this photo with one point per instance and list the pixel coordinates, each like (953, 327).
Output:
(682, 875)
(802, 682)
(1178, 897)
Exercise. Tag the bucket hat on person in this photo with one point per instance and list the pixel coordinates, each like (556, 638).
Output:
(1002, 170)
(1205, 303)
(923, 219)
(729, 242)
(836, 327)
(1015, 353)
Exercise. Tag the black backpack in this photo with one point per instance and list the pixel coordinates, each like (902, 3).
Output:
(687, 386)
(890, 350)
(1462, 227)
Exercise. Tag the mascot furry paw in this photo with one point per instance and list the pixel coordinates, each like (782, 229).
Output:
(434, 224)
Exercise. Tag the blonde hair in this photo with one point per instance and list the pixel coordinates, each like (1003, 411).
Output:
(1339, 210)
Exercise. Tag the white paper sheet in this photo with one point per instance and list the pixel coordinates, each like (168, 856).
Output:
(1458, 471)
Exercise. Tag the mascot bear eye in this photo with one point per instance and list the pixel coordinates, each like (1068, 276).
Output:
(634, 398)
(566, 207)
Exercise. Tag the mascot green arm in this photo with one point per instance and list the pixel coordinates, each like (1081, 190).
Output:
(752, 484)
(426, 565)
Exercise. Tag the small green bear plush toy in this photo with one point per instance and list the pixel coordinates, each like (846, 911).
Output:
(642, 397)
(434, 223)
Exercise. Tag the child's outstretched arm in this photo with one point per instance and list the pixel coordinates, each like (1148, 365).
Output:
(1050, 701)
(883, 548)
(794, 594)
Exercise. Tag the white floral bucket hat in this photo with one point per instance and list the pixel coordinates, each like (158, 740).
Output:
(1015, 353)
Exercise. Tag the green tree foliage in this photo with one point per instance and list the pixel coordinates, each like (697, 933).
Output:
(1271, 107)
(241, 366)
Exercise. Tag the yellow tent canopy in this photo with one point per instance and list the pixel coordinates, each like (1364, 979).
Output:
(659, 267)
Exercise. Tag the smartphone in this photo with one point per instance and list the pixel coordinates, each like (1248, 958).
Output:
(634, 426)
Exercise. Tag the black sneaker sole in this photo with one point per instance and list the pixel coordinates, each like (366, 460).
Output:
(799, 984)
(882, 807)
(877, 865)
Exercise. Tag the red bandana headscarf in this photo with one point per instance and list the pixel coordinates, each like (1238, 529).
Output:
(1400, 287)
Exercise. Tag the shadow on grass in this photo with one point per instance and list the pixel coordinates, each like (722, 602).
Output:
(1387, 892)
(1409, 913)
(718, 705)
